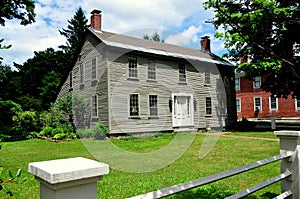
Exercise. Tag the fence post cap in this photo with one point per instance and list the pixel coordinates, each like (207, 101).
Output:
(287, 133)
(70, 169)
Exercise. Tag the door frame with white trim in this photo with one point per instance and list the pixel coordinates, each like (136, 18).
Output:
(182, 109)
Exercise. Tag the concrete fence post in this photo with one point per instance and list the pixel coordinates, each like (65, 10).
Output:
(73, 178)
(290, 143)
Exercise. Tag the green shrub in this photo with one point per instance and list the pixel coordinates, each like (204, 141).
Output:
(60, 136)
(100, 131)
(84, 133)
(46, 131)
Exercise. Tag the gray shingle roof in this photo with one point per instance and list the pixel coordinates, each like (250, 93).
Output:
(158, 48)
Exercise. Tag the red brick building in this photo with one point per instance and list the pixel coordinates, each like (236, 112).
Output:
(252, 102)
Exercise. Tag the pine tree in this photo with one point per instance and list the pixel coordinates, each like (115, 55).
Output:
(75, 35)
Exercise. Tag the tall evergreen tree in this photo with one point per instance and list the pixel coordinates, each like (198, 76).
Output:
(75, 35)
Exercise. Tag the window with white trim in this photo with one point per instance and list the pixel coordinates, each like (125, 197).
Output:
(134, 105)
(95, 105)
(182, 72)
(207, 79)
(297, 101)
(208, 106)
(153, 108)
(257, 104)
(132, 67)
(81, 73)
(94, 69)
(151, 69)
(237, 84)
(238, 105)
(273, 103)
(256, 82)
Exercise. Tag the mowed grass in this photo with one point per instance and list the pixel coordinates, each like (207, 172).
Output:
(257, 134)
(227, 153)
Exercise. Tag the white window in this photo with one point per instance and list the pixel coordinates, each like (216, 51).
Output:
(94, 69)
(256, 82)
(273, 101)
(297, 101)
(151, 69)
(134, 105)
(81, 73)
(237, 84)
(95, 105)
(257, 104)
(153, 108)
(132, 67)
(208, 106)
(207, 79)
(182, 72)
(238, 105)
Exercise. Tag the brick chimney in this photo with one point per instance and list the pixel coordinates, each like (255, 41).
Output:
(244, 58)
(96, 20)
(205, 43)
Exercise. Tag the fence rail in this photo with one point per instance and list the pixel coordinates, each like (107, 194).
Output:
(219, 176)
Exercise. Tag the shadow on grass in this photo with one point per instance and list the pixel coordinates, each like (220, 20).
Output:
(213, 192)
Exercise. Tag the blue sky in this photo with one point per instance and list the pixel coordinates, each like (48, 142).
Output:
(179, 22)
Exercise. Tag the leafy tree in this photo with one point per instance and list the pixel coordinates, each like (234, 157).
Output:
(40, 77)
(10, 86)
(19, 9)
(266, 32)
(154, 37)
(74, 34)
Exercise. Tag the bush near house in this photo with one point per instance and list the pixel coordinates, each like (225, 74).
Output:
(100, 131)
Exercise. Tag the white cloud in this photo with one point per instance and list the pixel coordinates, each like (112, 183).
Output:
(119, 16)
(186, 37)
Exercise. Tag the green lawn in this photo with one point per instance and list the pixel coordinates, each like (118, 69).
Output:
(257, 134)
(228, 153)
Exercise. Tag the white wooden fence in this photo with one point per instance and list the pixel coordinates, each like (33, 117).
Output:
(77, 177)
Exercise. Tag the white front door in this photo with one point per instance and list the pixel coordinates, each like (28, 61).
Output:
(182, 110)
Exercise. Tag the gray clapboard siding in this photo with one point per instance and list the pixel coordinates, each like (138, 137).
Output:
(113, 88)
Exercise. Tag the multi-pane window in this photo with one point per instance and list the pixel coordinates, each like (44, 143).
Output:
(81, 73)
(273, 103)
(256, 82)
(238, 104)
(134, 105)
(257, 103)
(132, 67)
(297, 104)
(207, 76)
(237, 84)
(151, 69)
(71, 79)
(153, 109)
(95, 105)
(182, 72)
(94, 69)
(208, 106)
